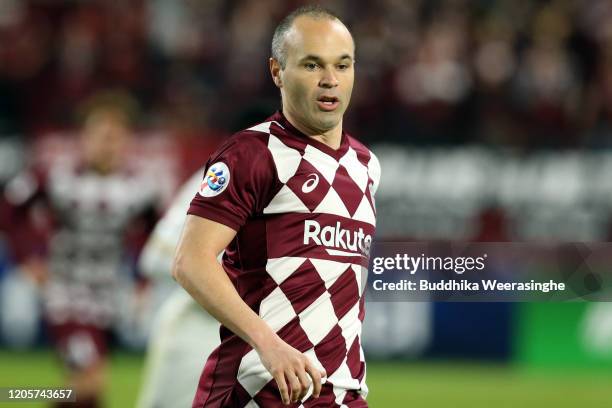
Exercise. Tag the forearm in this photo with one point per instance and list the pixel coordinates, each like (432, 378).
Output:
(206, 281)
(197, 270)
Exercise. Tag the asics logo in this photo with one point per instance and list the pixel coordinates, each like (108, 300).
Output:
(311, 183)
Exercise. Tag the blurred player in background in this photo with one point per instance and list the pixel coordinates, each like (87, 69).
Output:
(183, 334)
(89, 205)
(291, 202)
(596, 328)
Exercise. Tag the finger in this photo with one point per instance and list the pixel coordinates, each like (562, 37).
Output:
(304, 382)
(282, 387)
(316, 379)
(296, 387)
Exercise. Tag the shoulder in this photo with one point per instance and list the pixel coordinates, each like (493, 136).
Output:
(361, 149)
(245, 151)
(246, 156)
(245, 143)
(365, 156)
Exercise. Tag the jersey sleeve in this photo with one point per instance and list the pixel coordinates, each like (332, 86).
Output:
(238, 182)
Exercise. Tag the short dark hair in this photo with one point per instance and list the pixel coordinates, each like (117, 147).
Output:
(279, 51)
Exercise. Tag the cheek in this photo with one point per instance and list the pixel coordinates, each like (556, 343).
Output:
(297, 92)
(294, 80)
(300, 88)
(348, 89)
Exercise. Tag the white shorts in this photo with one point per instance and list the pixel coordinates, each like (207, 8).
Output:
(183, 337)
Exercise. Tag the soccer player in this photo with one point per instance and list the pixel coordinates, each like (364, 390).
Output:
(183, 335)
(92, 203)
(291, 202)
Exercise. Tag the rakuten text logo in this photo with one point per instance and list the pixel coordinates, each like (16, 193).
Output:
(336, 239)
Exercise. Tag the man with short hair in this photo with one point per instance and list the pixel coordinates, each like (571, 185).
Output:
(91, 205)
(291, 202)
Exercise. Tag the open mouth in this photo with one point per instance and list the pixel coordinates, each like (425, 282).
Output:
(328, 103)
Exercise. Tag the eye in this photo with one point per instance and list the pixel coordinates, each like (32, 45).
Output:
(343, 67)
(310, 66)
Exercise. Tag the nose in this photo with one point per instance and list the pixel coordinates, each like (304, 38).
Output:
(328, 80)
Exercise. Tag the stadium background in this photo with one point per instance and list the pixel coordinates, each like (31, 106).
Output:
(492, 120)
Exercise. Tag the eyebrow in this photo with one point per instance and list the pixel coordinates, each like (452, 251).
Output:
(318, 59)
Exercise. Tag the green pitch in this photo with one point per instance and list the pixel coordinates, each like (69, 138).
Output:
(394, 385)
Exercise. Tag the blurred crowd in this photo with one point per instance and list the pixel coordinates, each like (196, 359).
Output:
(521, 73)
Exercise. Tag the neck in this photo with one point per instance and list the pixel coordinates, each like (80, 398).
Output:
(331, 137)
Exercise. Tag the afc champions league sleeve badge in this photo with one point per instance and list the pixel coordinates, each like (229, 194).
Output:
(216, 179)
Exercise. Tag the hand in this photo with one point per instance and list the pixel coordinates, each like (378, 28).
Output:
(289, 368)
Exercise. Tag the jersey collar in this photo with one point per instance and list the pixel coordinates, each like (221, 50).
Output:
(293, 131)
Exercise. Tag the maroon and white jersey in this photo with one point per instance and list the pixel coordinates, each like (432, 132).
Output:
(305, 218)
(86, 250)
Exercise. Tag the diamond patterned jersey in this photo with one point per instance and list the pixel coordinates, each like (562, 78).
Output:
(305, 218)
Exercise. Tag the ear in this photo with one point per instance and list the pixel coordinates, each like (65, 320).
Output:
(275, 71)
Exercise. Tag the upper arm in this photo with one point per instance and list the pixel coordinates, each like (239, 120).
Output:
(203, 237)
(240, 179)
(26, 186)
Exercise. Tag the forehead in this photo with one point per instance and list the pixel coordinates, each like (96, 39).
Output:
(323, 37)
